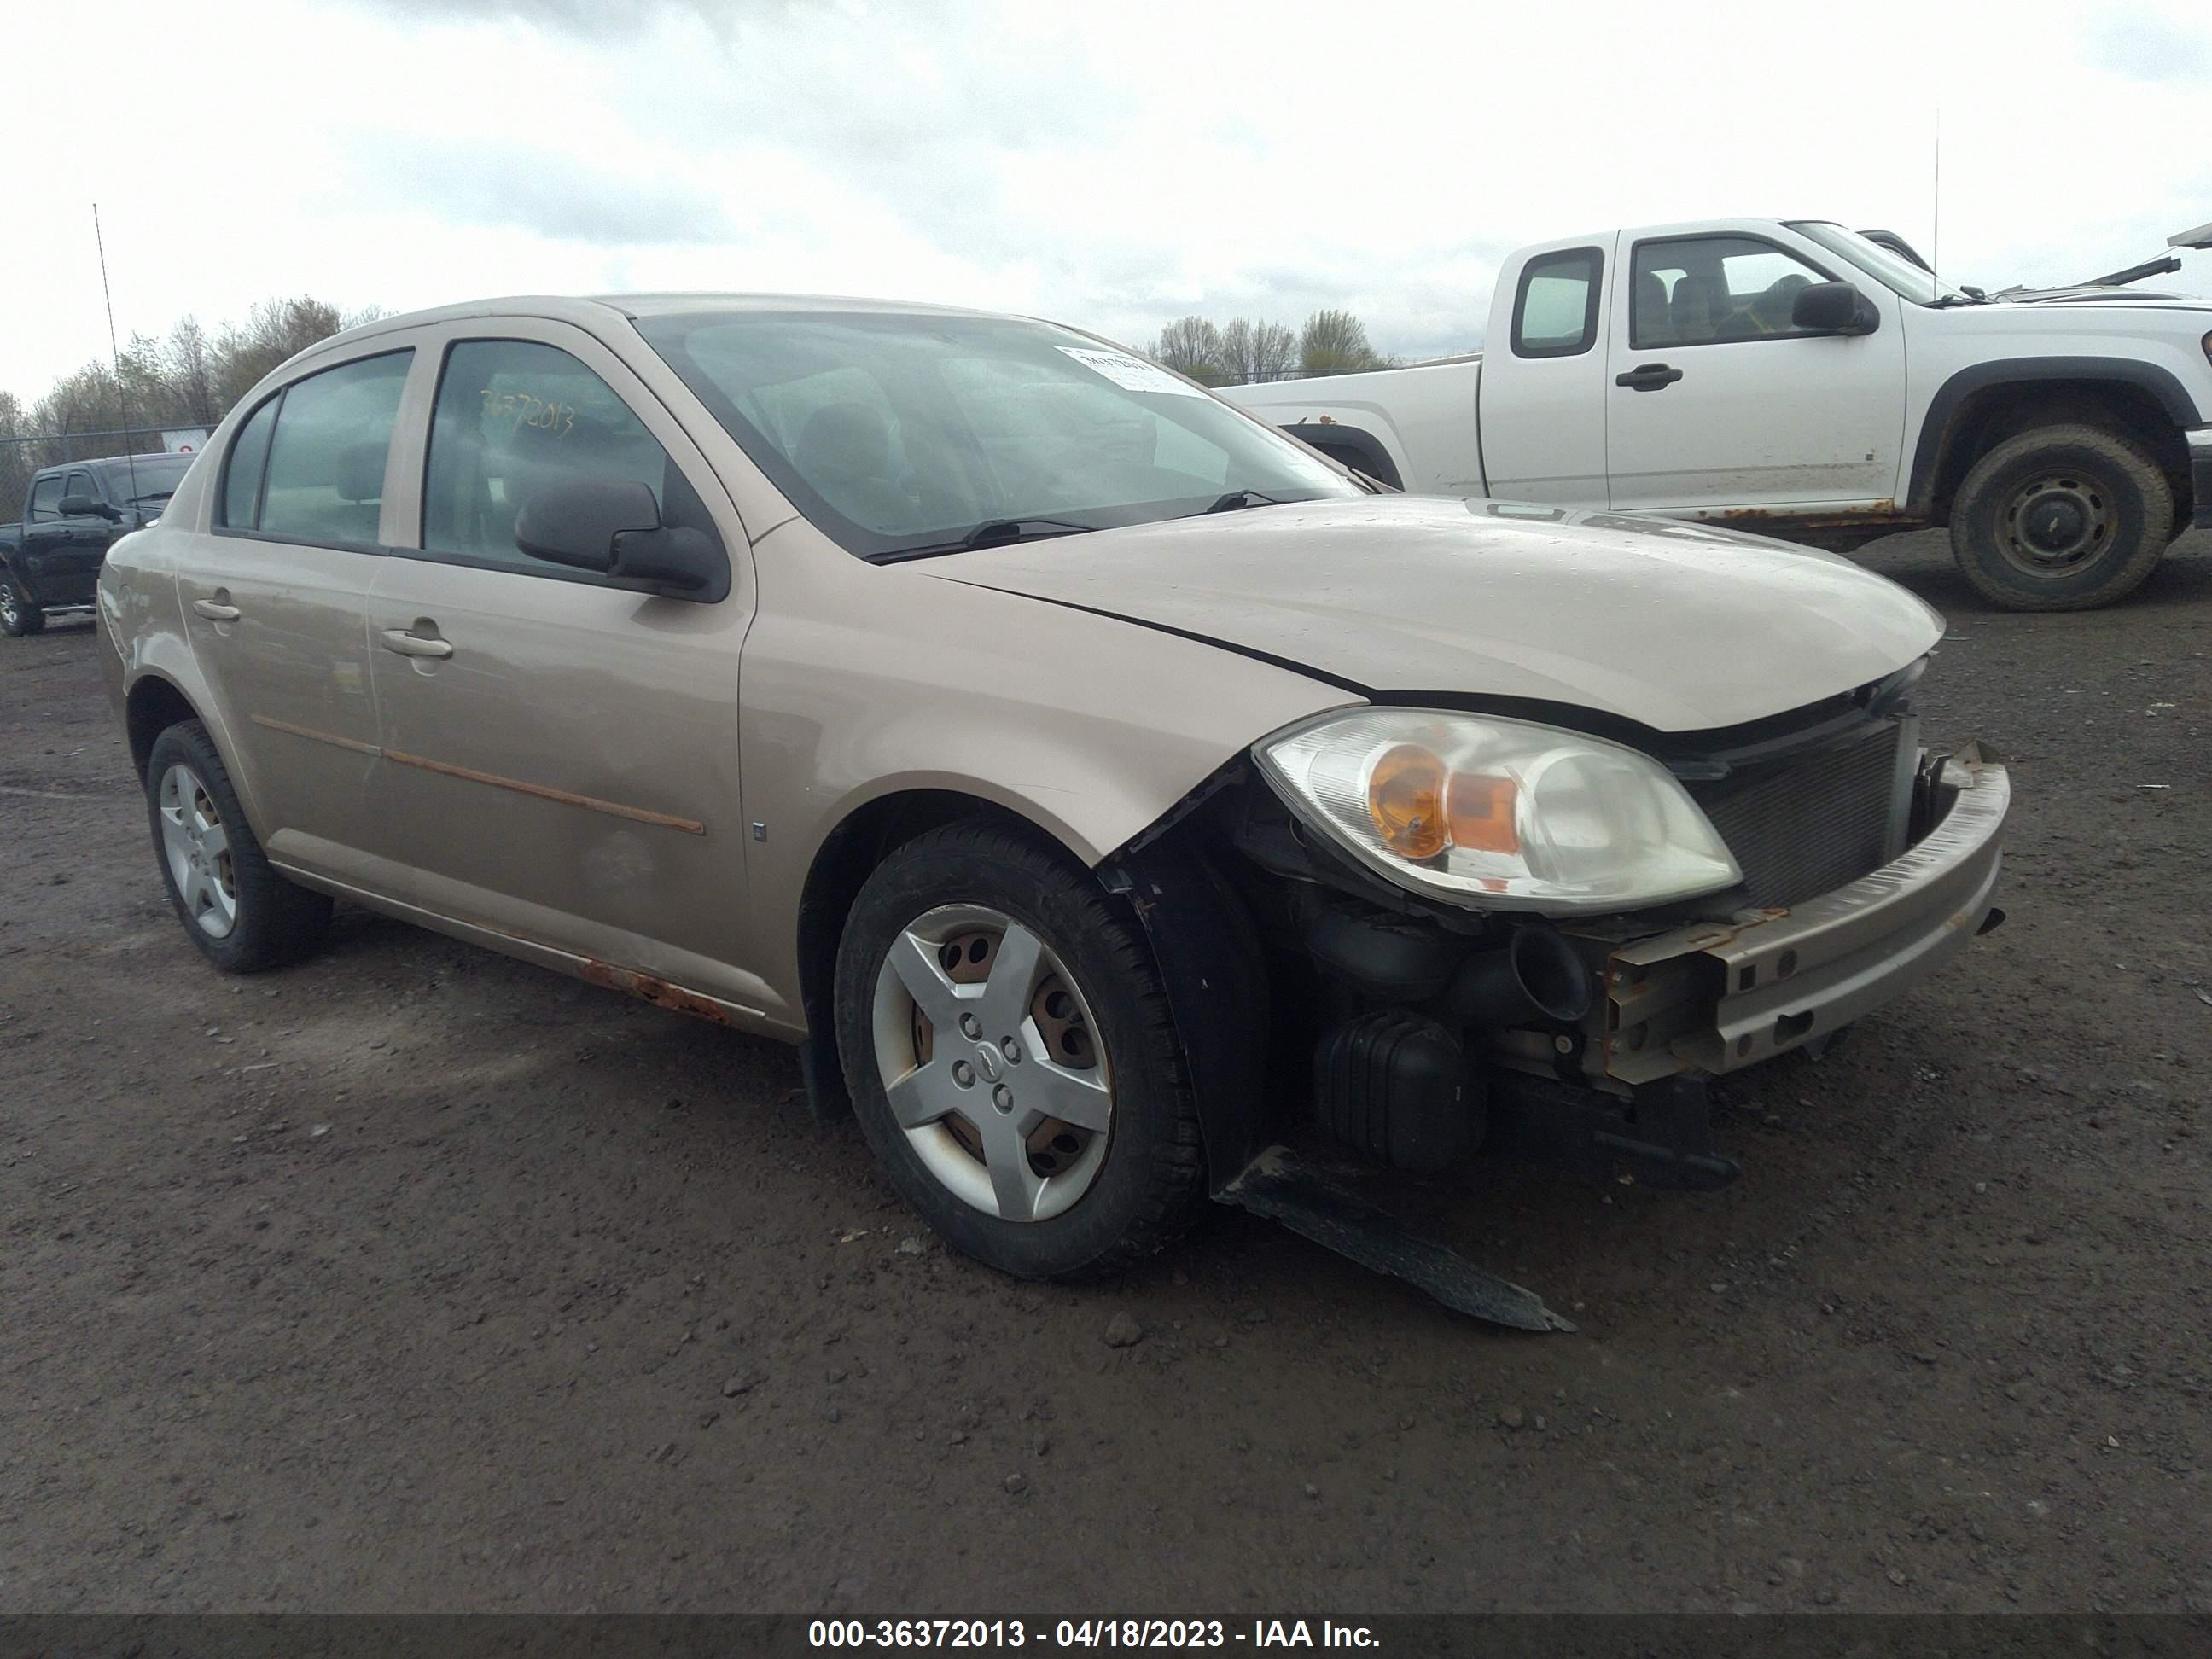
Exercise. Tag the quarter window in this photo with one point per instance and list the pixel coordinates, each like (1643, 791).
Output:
(514, 417)
(46, 500)
(1697, 290)
(1555, 314)
(325, 467)
(242, 473)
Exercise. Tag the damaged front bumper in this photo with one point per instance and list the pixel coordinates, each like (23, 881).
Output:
(1718, 997)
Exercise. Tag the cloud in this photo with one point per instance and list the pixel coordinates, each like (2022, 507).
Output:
(2152, 49)
(562, 198)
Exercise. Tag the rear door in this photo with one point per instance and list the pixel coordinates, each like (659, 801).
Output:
(273, 600)
(1541, 401)
(1716, 402)
(561, 753)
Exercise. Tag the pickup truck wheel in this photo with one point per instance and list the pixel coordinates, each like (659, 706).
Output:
(2062, 517)
(1012, 1058)
(18, 615)
(242, 914)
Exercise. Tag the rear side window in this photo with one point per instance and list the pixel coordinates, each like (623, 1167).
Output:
(1555, 313)
(242, 473)
(325, 478)
(46, 500)
(513, 417)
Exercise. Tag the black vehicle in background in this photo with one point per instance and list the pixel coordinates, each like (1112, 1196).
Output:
(74, 512)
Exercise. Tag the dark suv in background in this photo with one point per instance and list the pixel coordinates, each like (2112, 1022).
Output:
(73, 514)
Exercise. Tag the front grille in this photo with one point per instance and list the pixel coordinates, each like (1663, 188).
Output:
(1803, 825)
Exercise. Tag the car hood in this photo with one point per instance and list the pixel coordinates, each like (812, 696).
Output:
(1676, 626)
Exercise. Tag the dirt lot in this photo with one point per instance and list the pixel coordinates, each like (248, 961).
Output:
(417, 1279)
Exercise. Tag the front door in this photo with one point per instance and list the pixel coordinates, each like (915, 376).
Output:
(1718, 403)
(560, 755)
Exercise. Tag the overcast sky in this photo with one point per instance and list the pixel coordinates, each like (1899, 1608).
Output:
(1113, 165)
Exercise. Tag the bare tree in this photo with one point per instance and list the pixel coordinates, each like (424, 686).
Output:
(186, 380)
(1275, 351)
(1192, 346)
(1336, 343)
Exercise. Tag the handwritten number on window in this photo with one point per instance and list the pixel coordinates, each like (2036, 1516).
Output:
(518, 409)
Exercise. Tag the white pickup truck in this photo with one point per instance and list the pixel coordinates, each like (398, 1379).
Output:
(1793, 378)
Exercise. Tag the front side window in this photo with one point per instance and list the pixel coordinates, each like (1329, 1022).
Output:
(905, 434)
(79, 483)
(1700, 290)
(1555, 314)
(46, 500)
(513, 417)
(324, 475)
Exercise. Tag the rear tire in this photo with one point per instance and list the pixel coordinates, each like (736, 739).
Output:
(244, 916)
(2061, 518)
(18, 615)
(1045, 1123)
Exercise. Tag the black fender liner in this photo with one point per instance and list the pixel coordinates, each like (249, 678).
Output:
(1936, 429)
(1353, 445)
(1216, 979)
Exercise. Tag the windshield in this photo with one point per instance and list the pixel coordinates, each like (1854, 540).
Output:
(899, 432)
(155, 478)
(1900, 276)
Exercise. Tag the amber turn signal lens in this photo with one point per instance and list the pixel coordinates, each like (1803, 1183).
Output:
(1478, 813)
(1405, 798)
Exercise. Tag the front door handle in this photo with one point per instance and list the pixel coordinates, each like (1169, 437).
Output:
(215, 612)
(1648, 377)
(413, 645)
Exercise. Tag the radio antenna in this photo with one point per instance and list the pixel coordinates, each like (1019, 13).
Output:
(1935, 199)
(129, 459)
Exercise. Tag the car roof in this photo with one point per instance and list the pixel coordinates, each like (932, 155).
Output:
(603, 308)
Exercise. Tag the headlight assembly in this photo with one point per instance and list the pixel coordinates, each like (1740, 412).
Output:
(1498, 814)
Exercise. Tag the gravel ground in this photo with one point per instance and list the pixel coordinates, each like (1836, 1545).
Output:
(414, 1278)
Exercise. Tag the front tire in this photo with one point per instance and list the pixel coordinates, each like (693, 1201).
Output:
(1011, 1057)
(18, 615)
(2061, 518)
(244, 916)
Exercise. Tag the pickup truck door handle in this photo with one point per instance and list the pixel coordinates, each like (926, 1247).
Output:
(1648, 377)
(215, 612)
(413, 645)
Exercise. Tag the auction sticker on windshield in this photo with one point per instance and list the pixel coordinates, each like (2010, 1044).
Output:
(1131, 374)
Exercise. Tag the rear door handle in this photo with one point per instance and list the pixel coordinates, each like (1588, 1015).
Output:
(413, 645)
(1648, 377)
(215, 612)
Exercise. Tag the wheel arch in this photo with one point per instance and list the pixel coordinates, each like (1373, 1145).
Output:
(1352, 445)
(855, 845)
(1981, 406)
(153, 703)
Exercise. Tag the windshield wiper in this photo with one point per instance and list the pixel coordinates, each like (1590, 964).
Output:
(1239, 498)
(992, 532)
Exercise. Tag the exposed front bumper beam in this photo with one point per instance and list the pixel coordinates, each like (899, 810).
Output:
(1717, 997)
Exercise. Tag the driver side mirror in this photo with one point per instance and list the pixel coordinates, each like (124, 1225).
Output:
(612, 527)
(1833, 308)
(87, 506)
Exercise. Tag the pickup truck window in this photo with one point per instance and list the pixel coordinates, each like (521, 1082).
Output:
(80, 483)
(1701, 290)
(45, 494)
(326, 460)
(1555, 313)
(1900, 277)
